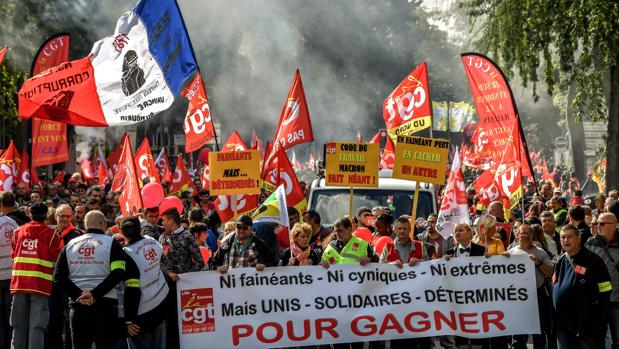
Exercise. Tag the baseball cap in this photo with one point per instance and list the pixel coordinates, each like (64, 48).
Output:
(244, 220)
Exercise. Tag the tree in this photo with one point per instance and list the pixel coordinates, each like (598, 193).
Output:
(566, 43)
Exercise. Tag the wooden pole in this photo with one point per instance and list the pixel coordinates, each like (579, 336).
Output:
(414, 211)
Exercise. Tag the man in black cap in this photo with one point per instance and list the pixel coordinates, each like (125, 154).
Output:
(242, 249)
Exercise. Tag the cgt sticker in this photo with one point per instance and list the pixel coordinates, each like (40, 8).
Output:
(197, 311)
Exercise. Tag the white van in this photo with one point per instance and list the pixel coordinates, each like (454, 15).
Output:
(396, 194)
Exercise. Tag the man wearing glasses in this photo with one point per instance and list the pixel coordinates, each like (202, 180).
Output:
(242, 249)
(606, 246)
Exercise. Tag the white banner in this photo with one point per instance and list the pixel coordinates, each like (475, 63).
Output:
(290, 306)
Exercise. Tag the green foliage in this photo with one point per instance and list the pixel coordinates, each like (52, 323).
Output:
(10, 80)
(560, 41)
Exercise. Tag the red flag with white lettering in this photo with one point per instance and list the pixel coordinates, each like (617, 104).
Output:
(198, 125)
(181, 181)
(227, 205)
(144, 163)
(497, 115)
(126, 182)
(408, 108)
(294, 126)
(234, 143)
(49, 138)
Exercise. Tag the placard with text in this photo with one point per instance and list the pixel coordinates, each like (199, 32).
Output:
(351, 164)
(421, 159)
(235, 172)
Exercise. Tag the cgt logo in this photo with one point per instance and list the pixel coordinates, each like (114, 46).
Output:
(30, 244)
(86, 251)
(197, 311)
(150, 255)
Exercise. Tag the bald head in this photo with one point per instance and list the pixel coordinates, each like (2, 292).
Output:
(95, 219)
(607, 223)
(496, 209)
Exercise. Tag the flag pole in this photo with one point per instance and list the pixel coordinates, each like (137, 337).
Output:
(414, 210)
(350, 204)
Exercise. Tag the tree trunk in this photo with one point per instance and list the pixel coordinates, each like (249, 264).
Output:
(612, 148)
(577, 136)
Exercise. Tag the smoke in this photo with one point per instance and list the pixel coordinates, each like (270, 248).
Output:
(87, 139)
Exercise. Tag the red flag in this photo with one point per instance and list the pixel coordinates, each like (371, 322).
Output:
(181, 181)
(102, 174)
(408, 108)
(87, 174)
(205, 177)
(256, 143)
(163, 165)
(375, 139)
(77, 104)
(49, 138)
(546, 174)
(388, 158)
(2, 53)
(114, 157)
(10, 164)
(198, 125)
(311, 163)
(144, 163)
(59, 179)
(296, 165)
(24, 171)
(285, 175)
(35, 177)
(359, 138)
(126, 182)
(497, 114)
(234, 143)
(294, 126)
(226, 205)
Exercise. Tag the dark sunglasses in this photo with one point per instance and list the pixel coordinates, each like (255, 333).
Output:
(241, 227)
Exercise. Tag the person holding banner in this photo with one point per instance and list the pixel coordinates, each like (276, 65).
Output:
(242, 249)
(346, 248)
(404, 250)
(543, 271)
(300, 251)
(485, 235)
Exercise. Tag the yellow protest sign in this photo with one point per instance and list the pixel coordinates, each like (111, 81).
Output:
(235, 172)
(421, 159)
(351, 164)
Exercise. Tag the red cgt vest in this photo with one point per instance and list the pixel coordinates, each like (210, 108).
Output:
(393, 255)
(35, 248)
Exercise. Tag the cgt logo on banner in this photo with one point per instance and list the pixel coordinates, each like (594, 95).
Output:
(197, 311)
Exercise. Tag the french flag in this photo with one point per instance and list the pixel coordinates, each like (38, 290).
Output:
(128, 77)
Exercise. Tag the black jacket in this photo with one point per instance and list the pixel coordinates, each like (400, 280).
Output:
(19, 216)
(476, 251)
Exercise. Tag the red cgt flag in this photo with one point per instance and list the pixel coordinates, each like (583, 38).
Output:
(163, 165)
(49, 138)
(59, 179)
(102, 174)
(256, 143)
(10, 163)
(126, 182)
(181, 181)
(198, 125)
(294, 126)
(285, 175)
(408, 108)
(205, 177)
(24, 171)
(144, 163)
(114, 157)
(229, 207)
(234, 143)
(388, 158)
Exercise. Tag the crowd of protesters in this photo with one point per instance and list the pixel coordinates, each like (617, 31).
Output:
(74, 272)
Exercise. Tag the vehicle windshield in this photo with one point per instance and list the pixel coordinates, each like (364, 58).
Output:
(332, 204)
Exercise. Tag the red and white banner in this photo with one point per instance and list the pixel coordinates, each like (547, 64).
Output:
(284, 174)
(408, 108)
(198, 125)
(497, 115)
(126, 182)
(294, 126)
(144, 163)
(205, 177)
(279, 307)
(10, 163)
(454, 208)
(49, 138)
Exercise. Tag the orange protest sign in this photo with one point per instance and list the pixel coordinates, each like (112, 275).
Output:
(236, 172)
(421, 159)
(351, 165)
